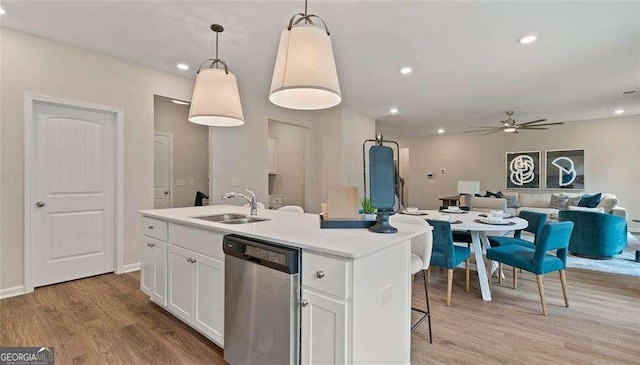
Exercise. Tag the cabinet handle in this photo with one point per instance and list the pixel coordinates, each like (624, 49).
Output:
(150, 227)
(188, 259)
(152, 245)
(304, 302)
(320, 274)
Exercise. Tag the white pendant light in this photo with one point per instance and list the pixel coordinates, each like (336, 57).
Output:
(305, 75)
(216, 100)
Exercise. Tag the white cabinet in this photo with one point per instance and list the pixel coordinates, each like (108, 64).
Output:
(153, 280)
(196, 291)
(180, 296)
(324, 329)
(272, 144)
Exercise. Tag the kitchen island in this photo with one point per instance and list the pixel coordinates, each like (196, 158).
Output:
(355, 285)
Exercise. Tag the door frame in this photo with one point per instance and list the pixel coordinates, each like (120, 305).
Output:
(170, 135)
(30, 187)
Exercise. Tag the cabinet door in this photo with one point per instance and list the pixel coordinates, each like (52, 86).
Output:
(209, 297)
(180, 288)
(324, 329)
(159, 273)
(146, 271)
(271, 152)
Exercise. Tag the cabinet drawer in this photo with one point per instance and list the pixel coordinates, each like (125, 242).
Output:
(325, 273)
(154, 228)
(199, 240)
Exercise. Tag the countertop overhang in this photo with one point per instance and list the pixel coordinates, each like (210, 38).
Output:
(293, 229)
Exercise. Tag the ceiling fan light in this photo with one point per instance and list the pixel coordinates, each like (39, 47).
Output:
(216, 99)
(510, 129)
(305, 75)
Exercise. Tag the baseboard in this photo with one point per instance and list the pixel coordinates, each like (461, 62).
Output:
(130, 267)
(12, 292)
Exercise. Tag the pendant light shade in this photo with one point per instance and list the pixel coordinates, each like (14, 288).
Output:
(305, 75)
(216, 99)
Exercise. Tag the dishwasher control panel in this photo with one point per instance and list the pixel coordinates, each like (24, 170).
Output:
(263, 253)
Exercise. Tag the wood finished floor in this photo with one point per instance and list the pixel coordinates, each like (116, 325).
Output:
(107, 320)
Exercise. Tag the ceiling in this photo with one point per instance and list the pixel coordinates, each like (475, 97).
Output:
(468, 67)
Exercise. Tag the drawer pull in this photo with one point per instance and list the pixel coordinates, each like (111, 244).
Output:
(150, 227)
(304, 302)
(320, 274)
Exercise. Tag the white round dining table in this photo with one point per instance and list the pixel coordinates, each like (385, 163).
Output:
(479, 237)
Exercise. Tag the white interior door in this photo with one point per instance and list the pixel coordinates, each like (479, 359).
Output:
(162, 171)
(73, 217)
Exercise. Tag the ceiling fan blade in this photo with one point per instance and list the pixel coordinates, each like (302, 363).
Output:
(533, 128)
(534, 121)
(498, 130)
(473, 126)
(543, 124)
(478, 130)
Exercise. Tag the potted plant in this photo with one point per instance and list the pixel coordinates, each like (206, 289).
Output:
(368, 210)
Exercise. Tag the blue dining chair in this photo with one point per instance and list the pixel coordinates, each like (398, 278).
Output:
(553, 236)
(445, 254)
(535, 223)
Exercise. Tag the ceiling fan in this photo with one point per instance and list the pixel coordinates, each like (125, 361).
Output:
(510, 126)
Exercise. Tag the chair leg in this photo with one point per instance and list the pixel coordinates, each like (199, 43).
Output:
(515, 278)
(466, 273)
(428, 275)
(541, 292)
(449, 285)
(499, 272)
(427, 314)
(563, 280)
(489, 275)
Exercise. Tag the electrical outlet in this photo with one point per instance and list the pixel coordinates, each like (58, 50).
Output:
(235, 181)
(443, 171)
(386, 294)
(191, 182)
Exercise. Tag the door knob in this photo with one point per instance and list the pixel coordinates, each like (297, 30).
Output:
(40, 204)
(166, 192)
(320, 274)
(304, 302)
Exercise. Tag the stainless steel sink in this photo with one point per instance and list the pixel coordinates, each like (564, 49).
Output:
(244, 220)
(231, 218)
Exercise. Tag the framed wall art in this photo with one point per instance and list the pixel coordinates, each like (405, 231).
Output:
(565, 169)
(523, 170)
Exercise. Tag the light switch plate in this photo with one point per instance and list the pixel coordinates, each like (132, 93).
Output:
(179, 182)
(386, 294)
(235, 181)
(191, 182)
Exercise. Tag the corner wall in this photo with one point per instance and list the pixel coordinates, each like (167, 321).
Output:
(612, 159)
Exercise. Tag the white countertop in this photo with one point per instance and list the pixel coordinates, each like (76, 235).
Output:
(293, 229)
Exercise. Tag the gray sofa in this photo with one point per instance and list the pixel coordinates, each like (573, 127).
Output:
(540, 202)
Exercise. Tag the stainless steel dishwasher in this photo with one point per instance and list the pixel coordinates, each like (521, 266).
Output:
(261, 304)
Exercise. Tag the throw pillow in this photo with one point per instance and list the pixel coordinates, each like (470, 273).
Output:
(585, 209)
(573, 202)
(512, 201)
(589, 201)
(489, 194)
(559, 201)
(499, 194)
(608, 202)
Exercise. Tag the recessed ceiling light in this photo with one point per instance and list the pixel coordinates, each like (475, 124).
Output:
(2, 12)
(526, 39)
(393, 110)
(441, 130)
(406, 70)
(619, 111)
(180, 102)
(182, 66)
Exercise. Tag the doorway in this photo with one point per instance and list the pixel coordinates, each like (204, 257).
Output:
(288, 148)
(162, 170)
(73, 188)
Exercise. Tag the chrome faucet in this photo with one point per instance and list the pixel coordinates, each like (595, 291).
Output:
(253, 201)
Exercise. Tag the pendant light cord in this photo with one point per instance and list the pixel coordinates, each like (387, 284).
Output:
(217, 48)
(306, 20)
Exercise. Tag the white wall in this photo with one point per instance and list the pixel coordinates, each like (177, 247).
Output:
(612, 159)
(40, 66)
(190, 150)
